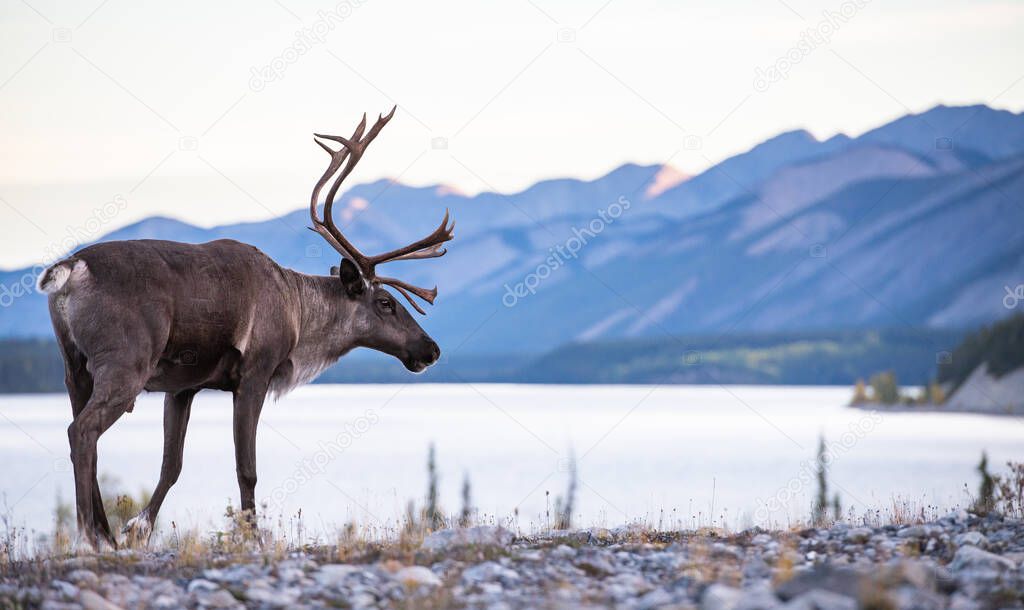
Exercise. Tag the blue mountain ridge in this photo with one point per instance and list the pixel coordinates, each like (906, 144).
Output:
(915, 223)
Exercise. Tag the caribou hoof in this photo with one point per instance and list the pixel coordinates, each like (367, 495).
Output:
(137, 530)
(84, 546)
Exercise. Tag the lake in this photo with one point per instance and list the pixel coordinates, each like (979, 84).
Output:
(674, 455)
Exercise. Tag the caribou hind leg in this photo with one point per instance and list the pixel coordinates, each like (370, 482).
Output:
(177, 408)
(113, 394)
(79, 385)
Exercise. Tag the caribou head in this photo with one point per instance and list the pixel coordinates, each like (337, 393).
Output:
(379, 320)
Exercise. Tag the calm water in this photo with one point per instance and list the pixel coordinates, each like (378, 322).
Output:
(741, 454)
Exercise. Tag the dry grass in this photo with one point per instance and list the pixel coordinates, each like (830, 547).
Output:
(241, 537)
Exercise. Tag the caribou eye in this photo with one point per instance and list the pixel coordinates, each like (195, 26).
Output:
(386, 304)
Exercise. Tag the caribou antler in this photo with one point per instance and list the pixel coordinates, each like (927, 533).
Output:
(352, 150)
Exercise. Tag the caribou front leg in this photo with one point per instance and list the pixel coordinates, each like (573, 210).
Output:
(177, 408)
(248, 403)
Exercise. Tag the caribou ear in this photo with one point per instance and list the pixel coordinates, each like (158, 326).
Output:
(350, 277)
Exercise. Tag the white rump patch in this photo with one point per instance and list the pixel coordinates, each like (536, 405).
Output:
(55, 276)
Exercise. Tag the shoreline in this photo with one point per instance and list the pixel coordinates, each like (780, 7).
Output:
(933, 408)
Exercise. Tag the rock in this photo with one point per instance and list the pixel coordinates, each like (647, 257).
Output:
(720, 597)
(164, 602)
(974, 538)
(761, 539)
(290, 575)
(332, 574)
(595, 565)
(820, 599)
(51, 604)
(755, 570)
(626, 585)
(971, 557)
(91, 600)
(233, 574)
(218, 599)
(842, 580)
(957, 516)
(490, 571)
(201, 584)
(600, 535)
(66, 590)
(858, 535)
(275, 598)
(918, 573)
(417, 576)
(83, 578)
(481, 536)
(563, 551)
(960, 601)
(916, 531)
(529, 555)
(655, 599)
(910, 597)
(758, 597)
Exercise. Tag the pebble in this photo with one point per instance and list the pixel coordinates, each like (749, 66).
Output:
(91, 600)
(971, 557)
(971, 538)
(416, 576)
(720, 597)
(484, 536)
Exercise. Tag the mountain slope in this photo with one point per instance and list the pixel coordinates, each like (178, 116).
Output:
(883, 230)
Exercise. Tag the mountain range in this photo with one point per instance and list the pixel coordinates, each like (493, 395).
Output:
(917, 223)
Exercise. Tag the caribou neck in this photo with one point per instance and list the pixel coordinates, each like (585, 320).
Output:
(326, 331)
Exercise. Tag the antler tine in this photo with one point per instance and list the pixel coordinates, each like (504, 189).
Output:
(428, 247)
(350, 153)
(324, 146)
(337, 158)
(405, 288)
(326, 227)
(356, 147)
(345, 141)
(431, 252)
(414, 304)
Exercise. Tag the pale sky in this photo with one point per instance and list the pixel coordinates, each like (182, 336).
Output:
(156, 103)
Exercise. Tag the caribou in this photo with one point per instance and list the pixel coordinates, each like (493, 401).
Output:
(178, 318)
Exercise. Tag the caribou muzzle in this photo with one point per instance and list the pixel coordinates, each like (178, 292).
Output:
(425, 354)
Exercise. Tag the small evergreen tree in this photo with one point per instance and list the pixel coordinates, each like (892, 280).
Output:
(884, 388)
(467, 504)
(432, 512)
(820, 514)
(860, 393)
(987, 488)
(564, 507)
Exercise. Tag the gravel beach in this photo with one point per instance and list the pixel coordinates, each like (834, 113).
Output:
(960, 561)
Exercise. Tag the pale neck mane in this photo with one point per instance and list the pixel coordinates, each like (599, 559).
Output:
(325, 329)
